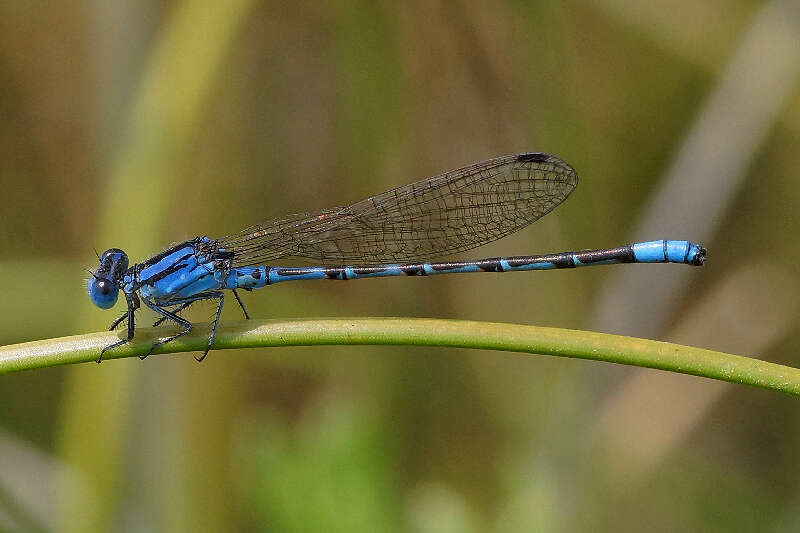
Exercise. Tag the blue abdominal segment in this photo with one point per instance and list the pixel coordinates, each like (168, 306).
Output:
(669, 252)
(247, 278)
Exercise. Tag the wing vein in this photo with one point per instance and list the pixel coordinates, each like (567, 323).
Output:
(448, 213)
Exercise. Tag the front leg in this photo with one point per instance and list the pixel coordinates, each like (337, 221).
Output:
(133, 304)
(118, 321)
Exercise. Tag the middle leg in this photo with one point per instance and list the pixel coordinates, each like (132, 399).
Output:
(166, 314)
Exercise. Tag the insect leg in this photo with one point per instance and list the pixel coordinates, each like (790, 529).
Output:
(133, 304)
(221, 296)
(236, 295)
(187, 326)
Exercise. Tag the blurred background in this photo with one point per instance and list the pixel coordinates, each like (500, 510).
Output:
(140, 124)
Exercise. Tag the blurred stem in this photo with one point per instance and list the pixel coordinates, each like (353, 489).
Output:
(418, 332)
(187, 61)
(17, 518)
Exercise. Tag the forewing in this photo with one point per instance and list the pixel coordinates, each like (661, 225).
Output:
(452, 212)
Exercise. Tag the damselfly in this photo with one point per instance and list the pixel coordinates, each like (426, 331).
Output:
(390, 234)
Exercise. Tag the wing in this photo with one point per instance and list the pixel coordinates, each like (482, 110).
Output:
(449, 213)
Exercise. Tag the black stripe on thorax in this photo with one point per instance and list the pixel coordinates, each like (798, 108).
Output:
(156, 258)
(174, 267)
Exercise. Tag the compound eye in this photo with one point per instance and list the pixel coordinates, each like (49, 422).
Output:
(103, 292)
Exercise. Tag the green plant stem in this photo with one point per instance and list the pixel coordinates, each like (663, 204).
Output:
(417, 332)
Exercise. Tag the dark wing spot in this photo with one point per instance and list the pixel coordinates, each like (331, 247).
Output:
(533, 157)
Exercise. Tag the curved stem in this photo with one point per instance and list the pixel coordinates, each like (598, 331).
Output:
(417, 332)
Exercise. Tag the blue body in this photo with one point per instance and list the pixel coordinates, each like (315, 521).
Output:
(198, 270)
(455, 211)
(184, 271)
